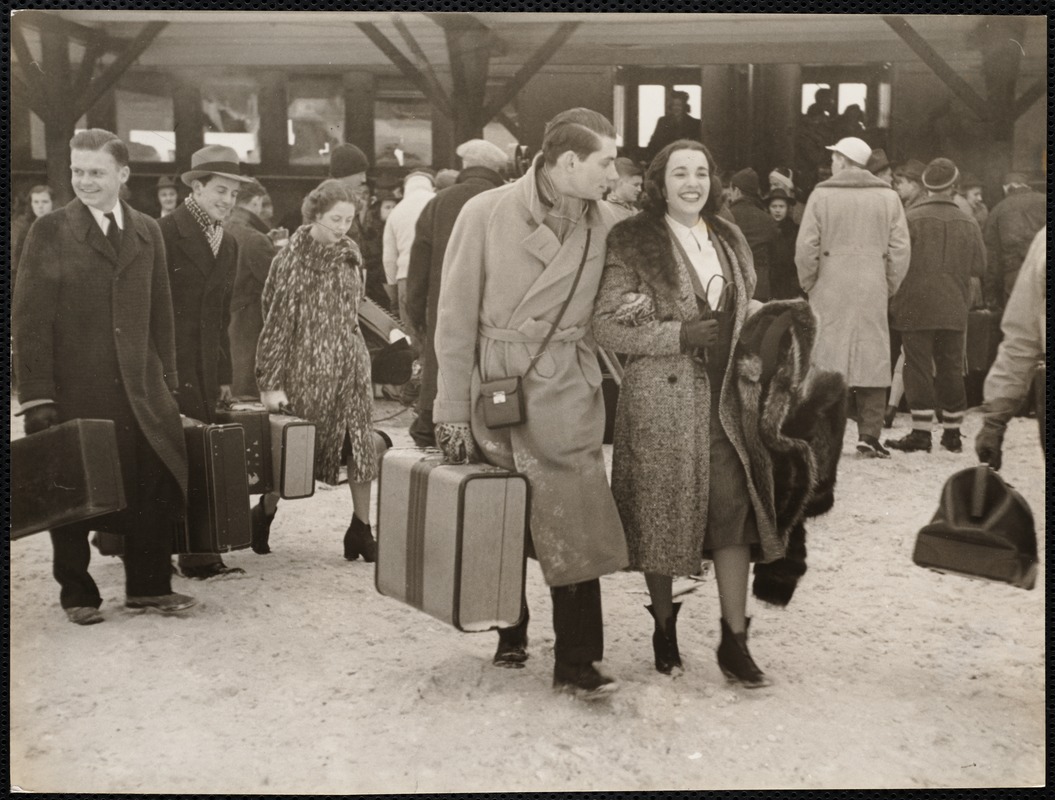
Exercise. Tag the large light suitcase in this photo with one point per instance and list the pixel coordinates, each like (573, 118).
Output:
(217, 489)
(253, 418)
(451, 538)
(65, 474)
(292, 456)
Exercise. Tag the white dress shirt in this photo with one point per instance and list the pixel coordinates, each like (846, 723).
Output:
(103, 222)
(696, 242)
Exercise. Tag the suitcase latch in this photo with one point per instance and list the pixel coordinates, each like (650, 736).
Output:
(498, 397)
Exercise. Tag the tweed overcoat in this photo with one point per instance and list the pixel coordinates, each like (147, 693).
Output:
(505, 277)
(661, 455)
(94, 333)
(202, 285)
(852, 253)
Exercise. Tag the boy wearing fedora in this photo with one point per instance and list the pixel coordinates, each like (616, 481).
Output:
(202, 260)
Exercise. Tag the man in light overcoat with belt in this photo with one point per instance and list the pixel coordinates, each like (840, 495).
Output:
(510, 266)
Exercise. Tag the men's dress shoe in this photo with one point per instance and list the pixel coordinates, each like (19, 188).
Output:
(162, 603)
(951, 440)
(510, 654)
(213, 570)
(915, 441)
(869, 447)
(84, 615)
(582, 681)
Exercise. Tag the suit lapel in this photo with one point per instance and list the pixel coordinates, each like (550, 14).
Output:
(129, 238)
(87, 230)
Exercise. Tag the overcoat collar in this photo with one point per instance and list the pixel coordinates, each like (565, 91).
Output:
(480, 174)
(192, 240)
(87, 231)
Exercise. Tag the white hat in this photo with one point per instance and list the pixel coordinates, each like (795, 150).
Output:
(857, 150)
(481, 151)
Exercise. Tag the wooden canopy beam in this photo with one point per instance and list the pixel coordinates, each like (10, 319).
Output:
(381, 42)
(48, 21)
(940, 67)
(33, 74)
(530, 68)
(92, 53)
(1029, 97)
(421, 61)
(102, 84)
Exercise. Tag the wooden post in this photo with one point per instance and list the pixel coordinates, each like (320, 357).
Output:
(359, 92)
(59, 125)
(186, 103)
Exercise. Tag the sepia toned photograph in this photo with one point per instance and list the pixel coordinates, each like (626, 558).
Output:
(500, 401)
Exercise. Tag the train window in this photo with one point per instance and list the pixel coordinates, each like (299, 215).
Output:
(402, 131)
(145, 121)
(232, 116)
(315, 118)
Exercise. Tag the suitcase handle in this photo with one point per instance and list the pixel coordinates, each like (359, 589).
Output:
(981, 479)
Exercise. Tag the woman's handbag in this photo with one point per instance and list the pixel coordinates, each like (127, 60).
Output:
(504, 404)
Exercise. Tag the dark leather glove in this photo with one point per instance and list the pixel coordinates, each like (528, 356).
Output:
(699, 333)
(40, 418)
(456, 441)
(989, 443)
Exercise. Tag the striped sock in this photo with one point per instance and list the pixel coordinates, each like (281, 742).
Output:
(922, 420)
(951, 419)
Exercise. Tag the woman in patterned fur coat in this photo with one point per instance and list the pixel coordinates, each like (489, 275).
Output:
(690, 479)
(311, 356)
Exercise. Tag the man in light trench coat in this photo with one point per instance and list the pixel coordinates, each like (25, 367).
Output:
(852, 253)
(509, 267)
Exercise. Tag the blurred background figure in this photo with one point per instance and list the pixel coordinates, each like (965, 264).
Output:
(418, 189)
(908, 182)
(971, 191)
(783, 276)
(168, 195)
(627, 188)
(677, 123)
(445, 178)
(879, 165)
(38, 202)
(758, 227)
(1009, 232)
(784, 178)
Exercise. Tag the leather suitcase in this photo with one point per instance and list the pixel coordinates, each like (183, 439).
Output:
(292, 456)
(253, 418)
(65, 474)
(217, 489)
(451, 538)
(983, 529)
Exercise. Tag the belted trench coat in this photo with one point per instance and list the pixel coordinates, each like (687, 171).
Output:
(505, 278)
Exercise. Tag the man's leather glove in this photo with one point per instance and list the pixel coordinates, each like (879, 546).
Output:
(699, 333)
(989, 443)
(456, 441)
(40, 418)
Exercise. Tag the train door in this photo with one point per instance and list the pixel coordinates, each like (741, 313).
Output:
(645, 94)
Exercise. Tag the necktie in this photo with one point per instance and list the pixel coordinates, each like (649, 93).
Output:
(113, 233)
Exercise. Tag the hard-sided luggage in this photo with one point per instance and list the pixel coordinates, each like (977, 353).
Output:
(217, 489)
(65, 474)
(451, 538)
(253, 418)
(983, 529)
(292, 456)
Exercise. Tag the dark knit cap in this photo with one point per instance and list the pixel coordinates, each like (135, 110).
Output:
(878, 161)
(940, 174)
(347, 159)
(746, 180)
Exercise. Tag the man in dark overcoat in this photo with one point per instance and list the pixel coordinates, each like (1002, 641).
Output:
(201, 264)
(93, 339)
(481, 162)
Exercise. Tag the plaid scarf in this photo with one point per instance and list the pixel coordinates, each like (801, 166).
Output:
(213, 230)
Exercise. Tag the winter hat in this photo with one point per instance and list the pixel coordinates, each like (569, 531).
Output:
(420, 171)
(347, 159)
(878, 161)
(782, 178)
(940, 174)
(481, 153)
(445, 178)
(911, 169)
(1015, 179)
(214, 159)
(746, 180)
(857, 150)
(779, 193)
(167, 182)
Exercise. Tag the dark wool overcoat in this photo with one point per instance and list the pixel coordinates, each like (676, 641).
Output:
(93, 331)
(947, 251)
(255, 253)
(431, 234)
(202, 285)
(661, 455)
(760, 229)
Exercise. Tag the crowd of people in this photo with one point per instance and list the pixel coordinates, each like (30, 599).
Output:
(119, 316)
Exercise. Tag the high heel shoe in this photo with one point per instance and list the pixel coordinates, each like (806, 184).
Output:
(665, 642)
(735, 660)
(261, 528)
(359, 541)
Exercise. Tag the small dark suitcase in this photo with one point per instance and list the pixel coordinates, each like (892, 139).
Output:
(217, 489)
(65, 474)
(983, 529)
(292, 456)
(253, 418)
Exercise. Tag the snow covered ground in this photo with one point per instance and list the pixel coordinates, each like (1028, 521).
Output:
(299, 678)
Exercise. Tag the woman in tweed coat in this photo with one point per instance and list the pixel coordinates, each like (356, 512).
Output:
(683, 461)
(312, 357)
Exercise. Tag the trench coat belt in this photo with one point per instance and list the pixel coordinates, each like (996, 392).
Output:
(513, 335)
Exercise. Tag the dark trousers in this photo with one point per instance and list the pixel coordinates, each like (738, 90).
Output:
(943, 350)
(577, 623)
(147, 524)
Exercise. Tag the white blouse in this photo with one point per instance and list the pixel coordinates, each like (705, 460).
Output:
(697, 244)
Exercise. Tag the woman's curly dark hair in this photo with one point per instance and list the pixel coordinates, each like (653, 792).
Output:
(653, 200)
(324, 197)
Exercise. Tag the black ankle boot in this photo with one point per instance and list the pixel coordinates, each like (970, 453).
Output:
(512, 645)
(261, 527)
(359, 541)
(735, 660)
(665, 642)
